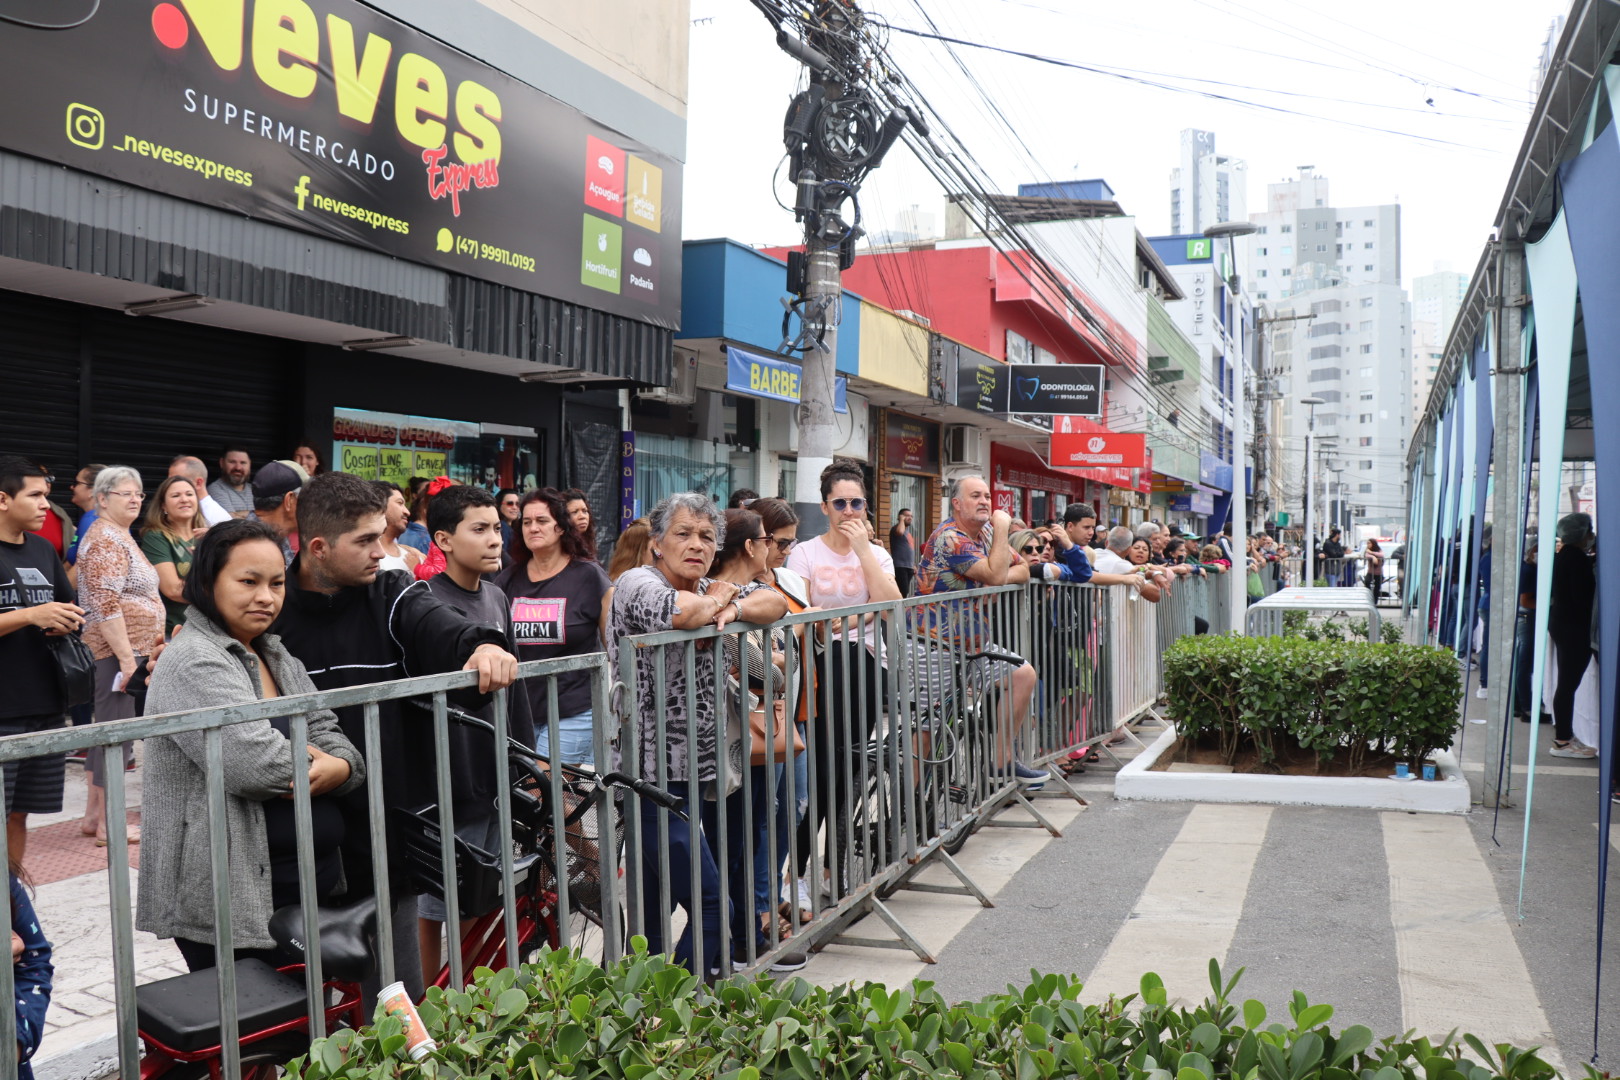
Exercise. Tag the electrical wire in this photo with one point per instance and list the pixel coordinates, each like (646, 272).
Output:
(1160, 85)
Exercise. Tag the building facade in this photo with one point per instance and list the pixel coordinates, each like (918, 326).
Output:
(436, 240)
(1206, 188)
(1335, 273)
(1436, 299)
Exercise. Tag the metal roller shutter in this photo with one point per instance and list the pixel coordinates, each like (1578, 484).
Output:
(163, 388)
(39, 383)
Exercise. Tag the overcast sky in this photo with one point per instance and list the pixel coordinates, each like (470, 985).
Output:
(1376, 63)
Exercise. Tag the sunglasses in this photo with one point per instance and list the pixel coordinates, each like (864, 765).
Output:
(785, 546)
(1034, 549)
(844, 505)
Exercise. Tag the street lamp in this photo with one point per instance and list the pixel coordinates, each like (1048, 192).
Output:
(1239, 512)
(1310, 489)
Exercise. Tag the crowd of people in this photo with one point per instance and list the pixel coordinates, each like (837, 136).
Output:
(289, 579)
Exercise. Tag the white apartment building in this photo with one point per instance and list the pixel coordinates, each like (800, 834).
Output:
(1342, 267)
(1206, 188)
(1436, 299)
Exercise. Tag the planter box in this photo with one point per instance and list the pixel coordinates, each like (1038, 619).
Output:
(1447, 795)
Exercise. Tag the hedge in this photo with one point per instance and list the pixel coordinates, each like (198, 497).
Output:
(644, 1018)
(1274, 693)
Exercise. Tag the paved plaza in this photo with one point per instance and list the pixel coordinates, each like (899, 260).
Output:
(1398, 920)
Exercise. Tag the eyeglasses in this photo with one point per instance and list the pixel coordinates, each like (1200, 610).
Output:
(1032, 549)
(751, 539)
(845, 505)
(81, 483)
(784, 546)
(137, 496)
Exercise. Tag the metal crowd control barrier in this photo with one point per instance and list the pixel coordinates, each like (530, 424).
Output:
(907, 752)
(385, 865)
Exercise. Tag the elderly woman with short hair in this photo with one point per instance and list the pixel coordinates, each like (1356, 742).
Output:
(678, 727)
(123, 616)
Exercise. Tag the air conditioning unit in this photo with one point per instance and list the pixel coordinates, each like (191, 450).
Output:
(682, 388)
(963, 445)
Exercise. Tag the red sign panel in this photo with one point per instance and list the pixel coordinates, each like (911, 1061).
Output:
(1093, 449)
(913, 445)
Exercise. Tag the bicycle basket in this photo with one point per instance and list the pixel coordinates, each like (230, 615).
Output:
(478, 872)
(581, 851)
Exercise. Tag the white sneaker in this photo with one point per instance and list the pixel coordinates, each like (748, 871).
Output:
(1572, 749)
(806, 903)
(1482, 692)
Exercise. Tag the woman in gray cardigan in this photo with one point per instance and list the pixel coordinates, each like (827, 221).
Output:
(224, 656)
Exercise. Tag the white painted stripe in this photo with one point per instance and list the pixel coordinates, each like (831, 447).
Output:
(1457, 961)
(353, 667)
(1189, 909)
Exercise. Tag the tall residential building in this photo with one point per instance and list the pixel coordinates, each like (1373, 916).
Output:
(1436, 299)
(1340, 268)
(1206, 188)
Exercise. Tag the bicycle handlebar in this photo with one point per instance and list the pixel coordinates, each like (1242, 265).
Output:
(643, 788)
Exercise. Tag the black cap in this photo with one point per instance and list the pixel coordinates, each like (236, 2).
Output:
(273, 481)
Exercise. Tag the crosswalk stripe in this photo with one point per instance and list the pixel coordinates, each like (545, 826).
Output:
(1189, 909)
(1459, 965)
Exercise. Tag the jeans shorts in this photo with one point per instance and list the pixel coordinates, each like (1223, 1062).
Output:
(575, 744)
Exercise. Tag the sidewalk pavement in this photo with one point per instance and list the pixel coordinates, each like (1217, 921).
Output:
(1397, 920)
(69, 874)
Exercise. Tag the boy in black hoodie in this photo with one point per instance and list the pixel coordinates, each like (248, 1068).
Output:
(351, 625)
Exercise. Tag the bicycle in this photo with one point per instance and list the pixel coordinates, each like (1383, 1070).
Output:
(948, 764)
(178, 1018)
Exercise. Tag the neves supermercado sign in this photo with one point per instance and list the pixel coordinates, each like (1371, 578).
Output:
(330, 117)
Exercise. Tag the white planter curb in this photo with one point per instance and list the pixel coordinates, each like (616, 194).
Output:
(1448, 795)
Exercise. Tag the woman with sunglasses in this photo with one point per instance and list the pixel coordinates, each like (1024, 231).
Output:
(843, 568)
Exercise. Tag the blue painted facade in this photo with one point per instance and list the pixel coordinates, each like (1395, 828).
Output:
(1096, 189)
(731, 291)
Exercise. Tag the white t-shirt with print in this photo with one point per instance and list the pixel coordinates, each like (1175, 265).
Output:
(837, 580)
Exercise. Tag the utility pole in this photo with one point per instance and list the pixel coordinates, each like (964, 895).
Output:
(1310, 492)
(835, 133)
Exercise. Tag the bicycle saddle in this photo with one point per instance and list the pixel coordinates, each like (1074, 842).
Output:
(182, 1013)
(348, 937)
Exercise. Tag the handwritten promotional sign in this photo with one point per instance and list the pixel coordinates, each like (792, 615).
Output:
(333, 118)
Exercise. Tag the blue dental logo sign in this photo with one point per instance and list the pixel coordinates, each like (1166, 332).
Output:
(773, 379)
(1027, 388)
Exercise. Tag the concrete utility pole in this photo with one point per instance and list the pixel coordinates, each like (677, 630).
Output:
(836, 132)
(1239, 512)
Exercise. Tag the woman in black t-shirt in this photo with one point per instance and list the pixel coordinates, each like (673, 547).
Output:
(556, 590)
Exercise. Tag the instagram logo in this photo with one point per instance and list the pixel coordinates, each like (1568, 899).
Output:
(86, 126)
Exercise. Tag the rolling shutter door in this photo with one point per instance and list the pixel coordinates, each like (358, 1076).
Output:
(163, 387)
(39, 383)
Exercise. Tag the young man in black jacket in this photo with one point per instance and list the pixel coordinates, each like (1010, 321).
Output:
(351, 625)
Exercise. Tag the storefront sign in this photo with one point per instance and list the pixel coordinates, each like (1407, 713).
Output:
(627, 479)
(333, 118)
(1214, 472)
(1007, 501)
(1192, 502)
(1052, 389)
(912, 445)
(982, 387)
(395, 447)
(1072, 449)
(775, 380)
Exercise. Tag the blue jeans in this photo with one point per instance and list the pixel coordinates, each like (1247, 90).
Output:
(701, 899)
(768, 875)
(574, 739)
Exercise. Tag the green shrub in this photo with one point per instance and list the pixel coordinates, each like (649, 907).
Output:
(1323, 695)
(644, 1019)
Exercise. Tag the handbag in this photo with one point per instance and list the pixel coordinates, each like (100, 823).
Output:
(75, 669)
(763, 750)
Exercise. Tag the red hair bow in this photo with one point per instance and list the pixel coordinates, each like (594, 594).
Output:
(438, 484)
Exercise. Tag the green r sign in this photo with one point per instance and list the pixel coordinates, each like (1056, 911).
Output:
(1199, 248)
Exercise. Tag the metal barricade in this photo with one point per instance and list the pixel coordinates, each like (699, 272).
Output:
(511, 896)
(909, 731)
